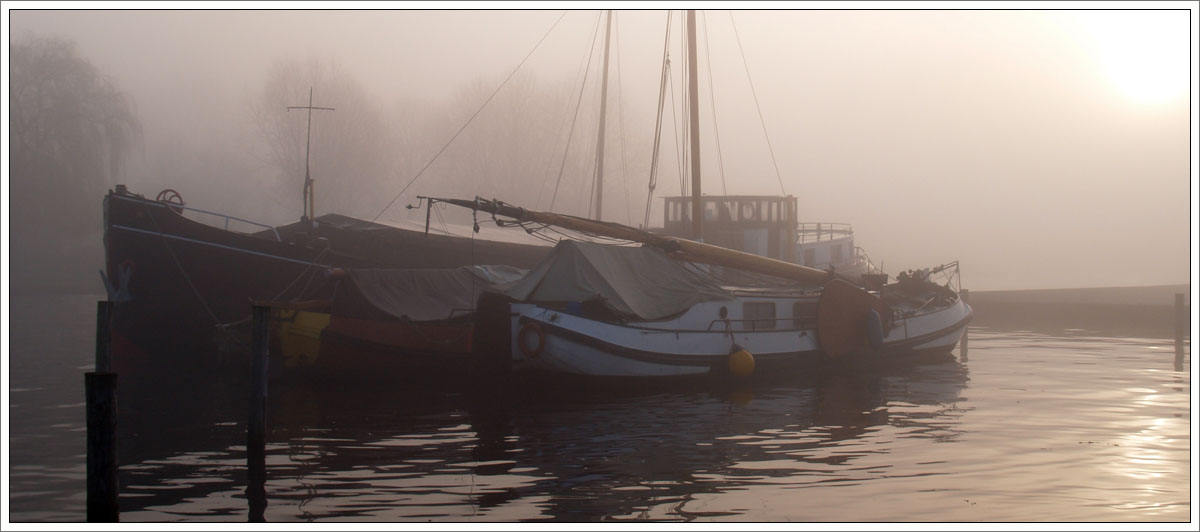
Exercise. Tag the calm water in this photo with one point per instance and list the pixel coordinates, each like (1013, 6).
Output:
(1065, 427)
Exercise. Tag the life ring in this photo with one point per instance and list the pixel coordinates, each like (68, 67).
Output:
(536, 350)
(171, 198)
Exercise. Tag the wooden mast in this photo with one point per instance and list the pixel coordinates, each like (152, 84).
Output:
(694, 114)
(683, 249)
(603, 115)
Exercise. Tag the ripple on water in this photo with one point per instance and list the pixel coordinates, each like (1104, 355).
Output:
(1077, 427)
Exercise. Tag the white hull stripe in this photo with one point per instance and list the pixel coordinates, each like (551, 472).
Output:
(669, 359)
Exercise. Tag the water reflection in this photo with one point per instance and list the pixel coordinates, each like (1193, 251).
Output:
(532, 450)
(1077, 425)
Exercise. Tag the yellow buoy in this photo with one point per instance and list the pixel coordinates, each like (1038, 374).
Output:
(741, 362)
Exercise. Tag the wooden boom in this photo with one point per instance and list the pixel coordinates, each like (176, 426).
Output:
(682, 249)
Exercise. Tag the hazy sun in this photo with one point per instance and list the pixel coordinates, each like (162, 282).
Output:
(1144, 52)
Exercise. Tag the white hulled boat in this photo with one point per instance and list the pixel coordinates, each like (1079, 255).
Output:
(727, 286)
(662, 309)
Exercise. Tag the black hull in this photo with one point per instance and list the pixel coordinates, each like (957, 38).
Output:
(185, 288)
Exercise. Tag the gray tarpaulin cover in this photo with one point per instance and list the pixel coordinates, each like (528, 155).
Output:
(636, 282)
(424, 294)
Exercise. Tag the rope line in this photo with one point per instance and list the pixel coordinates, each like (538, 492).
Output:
(756, 106)
(662, 91)
(712, 103)
(175, 259)
(621, 122)
(578, 102)
(469, 120)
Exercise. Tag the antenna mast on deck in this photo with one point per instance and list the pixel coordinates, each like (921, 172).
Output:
(694, 123)
(599, 192)
(308, 182)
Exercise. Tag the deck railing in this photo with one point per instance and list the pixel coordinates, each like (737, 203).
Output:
(227, 217)
(817, 231)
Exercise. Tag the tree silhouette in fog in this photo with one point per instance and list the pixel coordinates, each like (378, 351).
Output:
(352, 150)
(516, 146)
(72, 131)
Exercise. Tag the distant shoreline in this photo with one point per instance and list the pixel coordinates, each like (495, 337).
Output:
(1158, 295)
(1141, 311)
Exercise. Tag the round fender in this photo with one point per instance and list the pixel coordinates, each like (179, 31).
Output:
(874, 329)
(531, 331)
(741, 362)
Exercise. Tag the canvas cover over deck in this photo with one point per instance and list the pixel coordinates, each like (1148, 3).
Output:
(424, 294)
(640, 283)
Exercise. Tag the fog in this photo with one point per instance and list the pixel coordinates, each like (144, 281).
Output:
(1041, 149)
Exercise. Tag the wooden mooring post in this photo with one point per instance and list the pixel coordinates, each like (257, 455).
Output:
(256, 453)
(100, 389)
(1182, 324)
(962, 348)
(104, 336)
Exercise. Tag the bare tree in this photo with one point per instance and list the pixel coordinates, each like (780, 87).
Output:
(71, 133)
(352, 149)
(71, 128)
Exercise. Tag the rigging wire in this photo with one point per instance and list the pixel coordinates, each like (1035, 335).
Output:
(446, 228)
(621, 120)
(591, 53)
(756, 106)
(567, 120)
(713, 104)
(685, 165)
(679, 159)
(471, 119)
(662, 91)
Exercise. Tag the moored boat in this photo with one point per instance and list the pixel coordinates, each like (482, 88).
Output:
(184, 287)
(658, 310)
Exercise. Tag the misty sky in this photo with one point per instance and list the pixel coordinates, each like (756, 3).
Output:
(1042, 149)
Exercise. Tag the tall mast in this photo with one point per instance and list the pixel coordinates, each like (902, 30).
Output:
(308, 182)
(694, 113)
(603, 116)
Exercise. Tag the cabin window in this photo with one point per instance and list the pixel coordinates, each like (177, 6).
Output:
(810, 257)
(758, 315)
(837, 254)
(804, 314)
(746, 211)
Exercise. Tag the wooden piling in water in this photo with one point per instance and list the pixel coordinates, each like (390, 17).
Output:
(1181, 326)
(256, 455)
(102, 487)
(100, 391)
(103, 336)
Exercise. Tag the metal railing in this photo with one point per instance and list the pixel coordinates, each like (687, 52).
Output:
(795, 322)
(210, 213)
(816, 231)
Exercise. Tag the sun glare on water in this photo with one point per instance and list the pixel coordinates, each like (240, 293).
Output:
(1144, 53)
